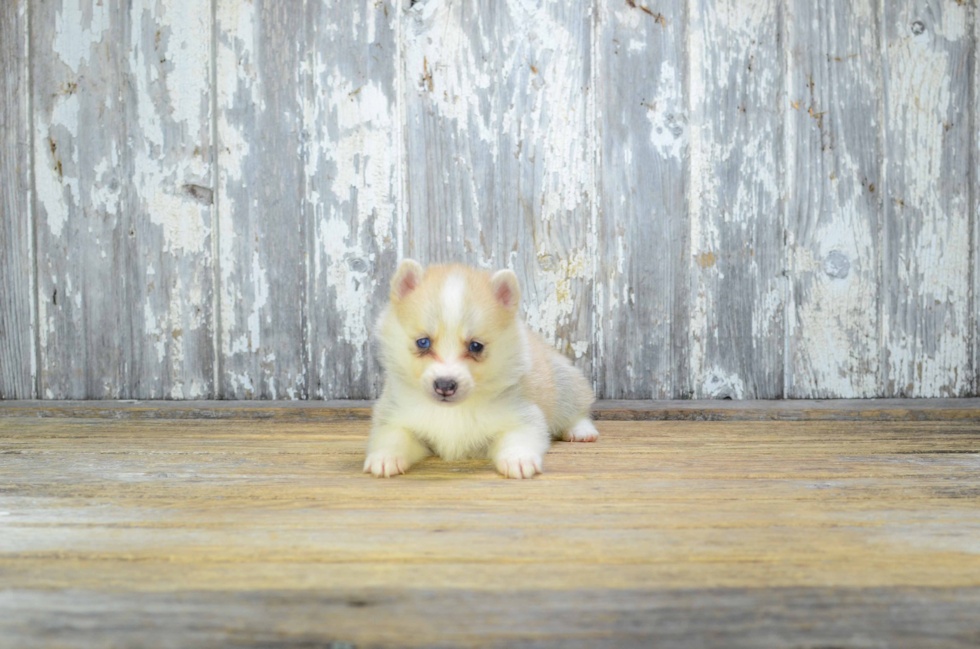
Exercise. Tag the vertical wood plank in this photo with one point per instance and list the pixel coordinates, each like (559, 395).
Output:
(263, 252)
(737, 263)
(975, 195)
(926, 233)
(351, 156)
(17, 352)
(642, 289)
(122, 153)
(500, 168)
(975, 171)
(835, 179)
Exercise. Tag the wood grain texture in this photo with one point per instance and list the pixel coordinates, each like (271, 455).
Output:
(263, 242)
(253, 532)
(642, 285)
(604, 410)
(352, 156)
(834, 118)
(18, 362)
(737, 98)
(121, 97)
(975, 193)
(748, 618)
(499, 151)
(926, 234)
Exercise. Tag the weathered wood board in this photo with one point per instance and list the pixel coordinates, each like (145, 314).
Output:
(644, 251)
(926, 232)
(737, 618)
(265, 533)
(835, 111)
(308, 165)
(352, 158)
(122, 164)
(262, 244)
(737, 291)
(18, 361)
(975, 188)
(704, 198)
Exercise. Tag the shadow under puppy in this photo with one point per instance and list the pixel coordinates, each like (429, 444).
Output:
(465, 377)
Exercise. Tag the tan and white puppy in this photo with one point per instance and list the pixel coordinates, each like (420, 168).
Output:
(467, 378)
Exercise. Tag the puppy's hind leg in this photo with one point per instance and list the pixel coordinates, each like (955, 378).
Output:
(581, 431)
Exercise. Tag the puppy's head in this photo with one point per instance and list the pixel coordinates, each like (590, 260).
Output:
(451, 331)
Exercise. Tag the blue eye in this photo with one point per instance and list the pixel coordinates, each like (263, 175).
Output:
(476, 347)
(423, 343)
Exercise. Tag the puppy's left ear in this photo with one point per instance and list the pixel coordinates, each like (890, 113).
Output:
(506, 290)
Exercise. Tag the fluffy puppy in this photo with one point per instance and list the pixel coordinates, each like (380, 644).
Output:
(465, 376)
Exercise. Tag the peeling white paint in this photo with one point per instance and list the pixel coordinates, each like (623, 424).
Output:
(135, 79)
(559, 299)
(955, 20)
(55, 168)
(927, 333)
(236, 40)
(77, 29)
(839, 351)
(832, 311)
(637, 45)
(153, 329)
(188, 89)
(718, 384)
(439, 60)
(365, 155)
(353, 289)
(351, 164)
(917, 72)
(668, 128)
(260, 296)
(735, 144)
(183, 220)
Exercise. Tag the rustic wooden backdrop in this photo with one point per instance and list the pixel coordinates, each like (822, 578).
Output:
(703, 198)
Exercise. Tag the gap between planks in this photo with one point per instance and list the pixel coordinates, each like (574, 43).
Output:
(612, 410)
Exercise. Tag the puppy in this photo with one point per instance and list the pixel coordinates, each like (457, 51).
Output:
(465, 377)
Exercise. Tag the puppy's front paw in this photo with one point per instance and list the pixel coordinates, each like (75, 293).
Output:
(582, 431)
(385, 465)
(518, 464)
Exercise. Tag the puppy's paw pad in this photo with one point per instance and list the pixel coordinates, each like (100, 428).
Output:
(519, 466)
(385, 465)
(582, 431)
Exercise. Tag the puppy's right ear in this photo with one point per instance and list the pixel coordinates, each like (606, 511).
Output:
(407, 278)
(506, 289)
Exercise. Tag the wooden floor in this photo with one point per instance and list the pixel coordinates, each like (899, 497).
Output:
(264, 533)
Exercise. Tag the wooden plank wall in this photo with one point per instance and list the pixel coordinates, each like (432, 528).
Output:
(702, 198)
(17, 317)
(122, 183)
(833, 181)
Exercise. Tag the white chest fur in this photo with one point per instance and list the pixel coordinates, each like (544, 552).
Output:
(462, 430)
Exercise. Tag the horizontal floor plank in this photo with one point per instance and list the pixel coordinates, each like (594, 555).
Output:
(341, 619)
(611, 410)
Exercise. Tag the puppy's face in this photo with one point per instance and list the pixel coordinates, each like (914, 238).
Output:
(451, 331)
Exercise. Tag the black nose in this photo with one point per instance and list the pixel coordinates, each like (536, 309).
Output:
(445, 387)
